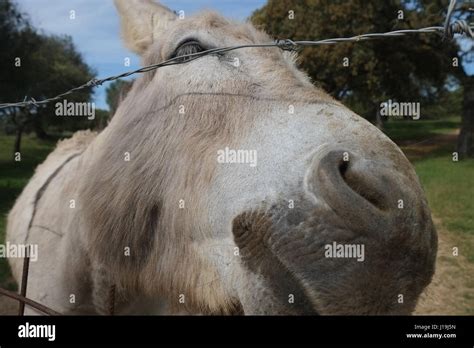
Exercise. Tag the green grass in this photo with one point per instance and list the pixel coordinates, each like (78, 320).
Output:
(418, 130)
(449, 188)
(13, 177)
(449, 185)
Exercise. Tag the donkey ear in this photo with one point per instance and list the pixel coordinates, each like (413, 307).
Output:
(142, 21)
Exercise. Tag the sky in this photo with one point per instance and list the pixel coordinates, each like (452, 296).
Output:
(96, 33)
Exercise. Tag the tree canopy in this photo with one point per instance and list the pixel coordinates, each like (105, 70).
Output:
(36, 65)
(365, 73)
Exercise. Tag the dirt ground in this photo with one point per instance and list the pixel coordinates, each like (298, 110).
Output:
(8, 306)
(418, 150)
(452, 289)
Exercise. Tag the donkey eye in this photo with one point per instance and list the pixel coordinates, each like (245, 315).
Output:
(187, 47)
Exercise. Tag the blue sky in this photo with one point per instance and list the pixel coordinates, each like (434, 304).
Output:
(96, 32)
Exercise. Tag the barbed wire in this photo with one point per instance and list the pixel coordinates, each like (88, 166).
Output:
(448, 30)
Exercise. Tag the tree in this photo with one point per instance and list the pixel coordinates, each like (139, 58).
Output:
(12, 22)
(465, 55)
(409, 68)
(37, 66)
(62, 68)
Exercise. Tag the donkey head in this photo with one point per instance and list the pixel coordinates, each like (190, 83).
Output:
(248, 189)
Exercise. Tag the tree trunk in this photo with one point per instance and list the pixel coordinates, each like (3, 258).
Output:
(38, 127)
(17, 144)
(379, 122)
(465, 144)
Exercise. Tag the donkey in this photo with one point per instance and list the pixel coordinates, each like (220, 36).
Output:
(330, 218)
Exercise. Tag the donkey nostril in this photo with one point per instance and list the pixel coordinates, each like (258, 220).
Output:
(359, 181)
(360, 190)
(343, 168)
(364, 191)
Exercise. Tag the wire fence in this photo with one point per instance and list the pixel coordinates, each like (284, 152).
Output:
(21, 297)
(23, 300)
(448, 31)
